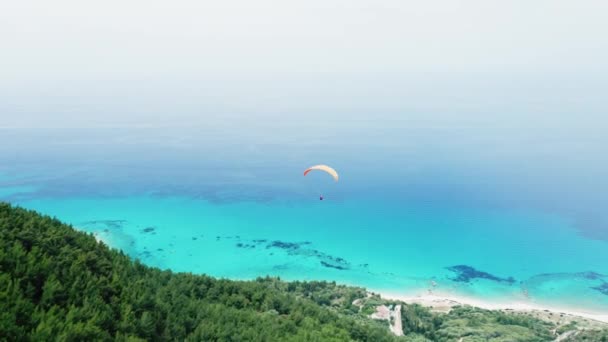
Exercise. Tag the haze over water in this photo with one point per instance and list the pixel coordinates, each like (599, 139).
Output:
(472, 156)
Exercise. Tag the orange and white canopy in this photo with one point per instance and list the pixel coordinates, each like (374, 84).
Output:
(325, 168)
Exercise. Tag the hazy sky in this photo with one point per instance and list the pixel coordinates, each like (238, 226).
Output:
(113, 62)
(512, 93)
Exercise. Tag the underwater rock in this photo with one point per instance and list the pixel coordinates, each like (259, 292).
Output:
(603, 289)
(113, 224)
(339, 260)
(145, 254)
(328, 265)
(590, 275)
(193, 238)
(465, 274)
(295, 249)
(283, 245)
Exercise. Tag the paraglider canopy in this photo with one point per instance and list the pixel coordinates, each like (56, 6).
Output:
(325, 168)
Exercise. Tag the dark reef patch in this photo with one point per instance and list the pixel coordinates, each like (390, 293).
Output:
(283, 245)
(113, 224)
(245, 245)
(296, 249)
(328, 265)
(194, 238)
(465, 274)
(590, 275)
(145, 254)
(603, 289)
(148, 229)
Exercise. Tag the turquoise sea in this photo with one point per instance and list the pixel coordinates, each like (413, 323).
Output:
(486, 214)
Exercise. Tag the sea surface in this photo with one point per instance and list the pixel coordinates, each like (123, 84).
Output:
(450, 206)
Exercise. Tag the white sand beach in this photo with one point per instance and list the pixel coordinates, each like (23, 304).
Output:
(443, 303)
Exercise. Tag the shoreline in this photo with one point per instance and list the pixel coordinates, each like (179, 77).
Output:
(439, 301)
(444, 303)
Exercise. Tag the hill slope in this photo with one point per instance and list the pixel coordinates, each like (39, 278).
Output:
(60, 284)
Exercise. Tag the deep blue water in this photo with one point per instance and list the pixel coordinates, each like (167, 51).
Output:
(493, 213)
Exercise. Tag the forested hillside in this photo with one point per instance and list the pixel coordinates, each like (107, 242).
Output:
(58, 284)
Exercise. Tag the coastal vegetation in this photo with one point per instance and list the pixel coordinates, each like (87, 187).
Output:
(588, 335)
(59, 284)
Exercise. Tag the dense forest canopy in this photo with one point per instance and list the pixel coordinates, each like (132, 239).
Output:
(59, 284)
